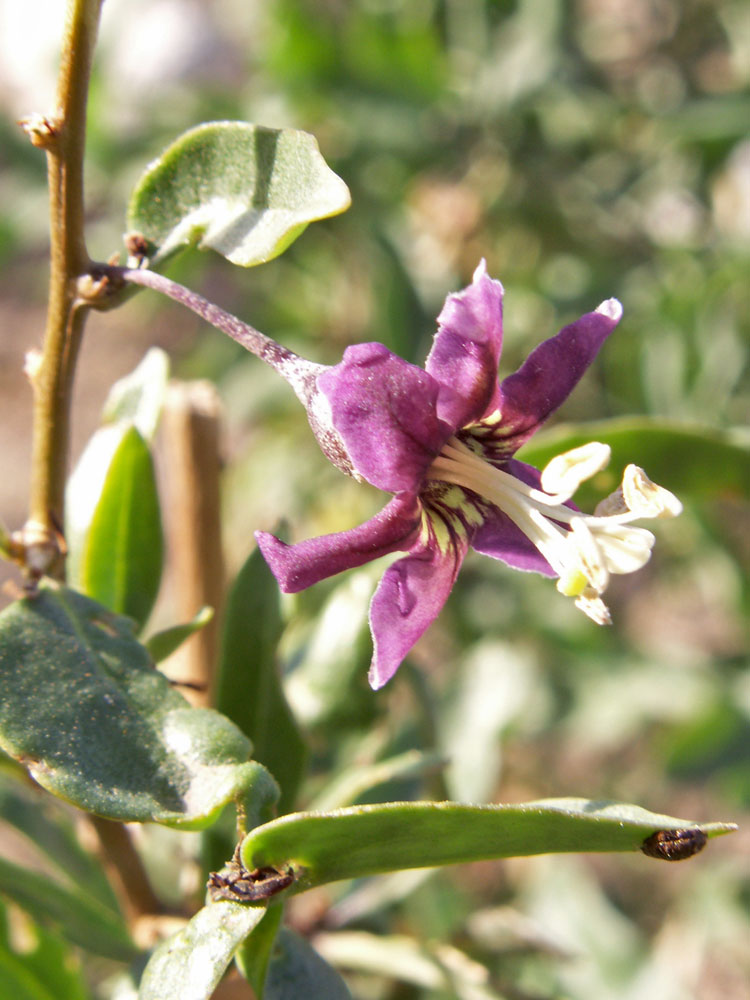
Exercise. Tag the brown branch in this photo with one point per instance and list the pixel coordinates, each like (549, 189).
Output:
(63, 137)
(125, 870)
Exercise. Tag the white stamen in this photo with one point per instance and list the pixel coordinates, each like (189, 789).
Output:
(645, 498)
(625, 549)
(612, 505)
(591, 547)
(595, 608)
(591, 559)
(565, 473)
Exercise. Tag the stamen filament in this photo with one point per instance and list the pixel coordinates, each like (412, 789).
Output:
(581, 549)
(456, 455)
(527, 507)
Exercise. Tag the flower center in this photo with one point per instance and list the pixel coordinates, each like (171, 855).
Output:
(582, 549)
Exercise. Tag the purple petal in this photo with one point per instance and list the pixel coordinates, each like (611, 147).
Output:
(385, 411)
(551, 372)
(500, 538)
(409, 598)
(466, 350)
(299, 566)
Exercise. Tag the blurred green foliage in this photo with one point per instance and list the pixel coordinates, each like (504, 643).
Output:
(587, 150)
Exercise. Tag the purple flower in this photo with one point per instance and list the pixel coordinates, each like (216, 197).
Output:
(441, 439)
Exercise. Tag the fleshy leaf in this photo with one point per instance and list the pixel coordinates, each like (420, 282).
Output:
(248, 686)
(122, 558)
(243, 190)
(84, 709)
(254, 954)
(138, 398)
(367, 840)
(297, 970)
(162, 644)
(134, 400)
(189, 965)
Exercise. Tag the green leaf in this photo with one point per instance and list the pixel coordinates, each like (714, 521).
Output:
(163, 644)
(297, 970)
(135, 400)
(122, 559)
(243, 190)
(326, 686)
(138, 398)
(71, 911)
(189, 965)
(366, 840)
(697, 462)
(39, 965)
(248, 686)
(82, 706)
(50, 831)
(254, 954)
(18, 981)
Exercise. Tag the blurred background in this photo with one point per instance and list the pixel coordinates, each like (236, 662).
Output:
(586, 149)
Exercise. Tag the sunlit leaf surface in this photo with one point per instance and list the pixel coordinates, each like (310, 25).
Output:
(365, 840)
(240, 189)
(190, 964)
(83, 707)
(122, 557)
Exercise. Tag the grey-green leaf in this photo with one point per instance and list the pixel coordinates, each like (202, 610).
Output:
(297, 970)
(134, 400)
(248, 685)
(243, 190)
(162, 644)
(366, 840)
(122, 558)
(83, 707)
(254, 954)
(138, 398)
(189, 965)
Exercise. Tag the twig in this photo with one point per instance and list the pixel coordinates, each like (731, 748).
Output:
(63, 136)
(125, 870)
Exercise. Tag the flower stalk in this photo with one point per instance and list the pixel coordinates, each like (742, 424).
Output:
(301, 374)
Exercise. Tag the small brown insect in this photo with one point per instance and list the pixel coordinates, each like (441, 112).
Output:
(241, 885)
(674, 845)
